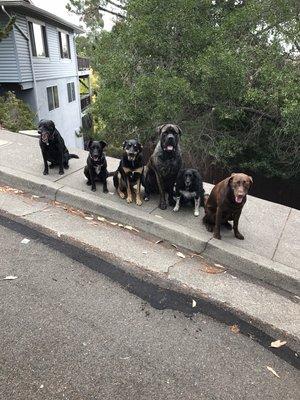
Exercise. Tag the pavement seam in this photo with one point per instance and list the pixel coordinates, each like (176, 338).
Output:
(281, 234)
(69, 174)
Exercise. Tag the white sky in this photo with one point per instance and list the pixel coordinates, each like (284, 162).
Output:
(58, 7)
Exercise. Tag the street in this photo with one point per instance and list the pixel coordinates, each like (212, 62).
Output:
(68, 332)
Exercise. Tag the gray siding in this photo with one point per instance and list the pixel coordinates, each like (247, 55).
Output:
(8, 62)
(54, 66)
(23, 50)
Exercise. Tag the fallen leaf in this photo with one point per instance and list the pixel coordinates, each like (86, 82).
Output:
(130, 228)
(35, 197)
(174, 245)
(58, 234)
(89, 218)
(234, 328)
(121, 225)
(180, 254)
(209, 269)
(278, 343)
(159, 241)
(10, 278)
(196, 255)
(25, 241)
(101, 219)
(145, 252)
(113, 223)
(158, 216)
(194, 303)
(273, 372)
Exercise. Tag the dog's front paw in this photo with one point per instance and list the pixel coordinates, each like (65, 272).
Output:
(217, 236)
(66, 167)
(176, 209)
(51, 166)
(238, 235)
(105, 190)
(88, 183)
(146, 198)
(93, 189)
(196, 213)
(129, 199)
(138, 202)
(46, 172)
(163, 206)
(61, 172)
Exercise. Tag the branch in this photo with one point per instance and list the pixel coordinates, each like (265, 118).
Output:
(111, 12)
(261, 113)
(116, 5)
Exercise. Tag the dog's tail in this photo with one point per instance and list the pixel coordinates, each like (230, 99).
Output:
(73, 156)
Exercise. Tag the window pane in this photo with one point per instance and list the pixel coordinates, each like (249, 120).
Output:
(64, 43)
(56, 101)
(73, 91)
(39, 42)
(33, 49)
(50, 98)
(69, 92)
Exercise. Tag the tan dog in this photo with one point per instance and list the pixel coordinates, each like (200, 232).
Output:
(225, 203)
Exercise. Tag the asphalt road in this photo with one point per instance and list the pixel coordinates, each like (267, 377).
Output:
(68, 332)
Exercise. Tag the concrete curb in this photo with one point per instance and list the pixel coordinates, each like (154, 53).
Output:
(255, 266)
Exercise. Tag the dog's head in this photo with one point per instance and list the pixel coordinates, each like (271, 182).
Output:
(169, 137)
(46, 129)
(132, 148)
(189, 177)
(95, 149)
(240, 185)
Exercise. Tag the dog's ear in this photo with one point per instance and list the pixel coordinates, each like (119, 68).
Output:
(103, 144)
(159, 128)
(52, 125)
(89, 143)
(124, 143)
(140, 146)
(179, 130)
(251, 180)
(230, 178)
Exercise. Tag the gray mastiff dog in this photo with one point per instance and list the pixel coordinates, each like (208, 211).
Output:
(164, 164)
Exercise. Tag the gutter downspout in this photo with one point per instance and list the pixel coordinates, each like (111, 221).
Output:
(30, 57)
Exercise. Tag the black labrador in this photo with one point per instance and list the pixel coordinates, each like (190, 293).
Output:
(164, 164)
(53, 147)
(129, 172)
(189, 187)
(96, 168)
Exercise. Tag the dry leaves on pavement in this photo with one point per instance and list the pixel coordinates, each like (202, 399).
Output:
(273, 372)
(278, 343)
(234, 328)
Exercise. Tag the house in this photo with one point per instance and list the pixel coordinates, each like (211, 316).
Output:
(38, 62)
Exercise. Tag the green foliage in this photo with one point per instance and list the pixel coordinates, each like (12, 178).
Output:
(4, 31)
(15, 115)
(226, 70)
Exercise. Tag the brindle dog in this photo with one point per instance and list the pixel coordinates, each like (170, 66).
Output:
(129, 172)
(164, 165)
(225, 203)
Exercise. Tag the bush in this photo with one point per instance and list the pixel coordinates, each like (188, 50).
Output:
(15, 114)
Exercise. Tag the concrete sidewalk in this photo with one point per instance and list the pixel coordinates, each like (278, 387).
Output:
(270, 251)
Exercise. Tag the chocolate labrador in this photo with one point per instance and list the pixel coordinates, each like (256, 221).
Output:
(225, 203)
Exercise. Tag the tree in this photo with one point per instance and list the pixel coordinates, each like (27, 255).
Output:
(4, 32)
(226, 70)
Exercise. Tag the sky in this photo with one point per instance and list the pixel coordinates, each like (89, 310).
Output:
(58, 7)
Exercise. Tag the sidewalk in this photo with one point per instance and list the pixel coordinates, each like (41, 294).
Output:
(270, 251)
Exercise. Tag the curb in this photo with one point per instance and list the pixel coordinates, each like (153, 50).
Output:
(255, 266)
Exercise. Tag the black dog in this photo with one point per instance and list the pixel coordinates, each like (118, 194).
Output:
(96, 168)
(129, 172)
(164, 165)
(53, 147)
(189, 186)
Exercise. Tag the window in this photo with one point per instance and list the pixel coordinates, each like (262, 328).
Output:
(71, 91)
(38, 39)
(64, 44)
(52, 95)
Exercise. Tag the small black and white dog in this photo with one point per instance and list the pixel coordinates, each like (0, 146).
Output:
(96, 168)
(188, 187)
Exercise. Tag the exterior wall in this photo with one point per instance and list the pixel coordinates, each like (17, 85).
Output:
(23, 50)
(9, 71)
(67, 117)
